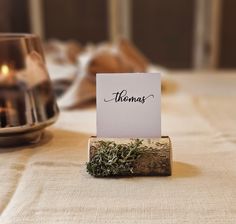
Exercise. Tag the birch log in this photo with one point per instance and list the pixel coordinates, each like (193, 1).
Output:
(140, 156)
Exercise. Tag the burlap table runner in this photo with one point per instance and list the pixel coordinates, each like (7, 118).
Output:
(49, 183)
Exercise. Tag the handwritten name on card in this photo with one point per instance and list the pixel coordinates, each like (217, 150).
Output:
(129, 105)
(121, 96)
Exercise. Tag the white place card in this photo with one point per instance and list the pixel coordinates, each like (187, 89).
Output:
(129, 105)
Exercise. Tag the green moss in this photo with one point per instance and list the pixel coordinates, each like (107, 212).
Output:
(111, 159)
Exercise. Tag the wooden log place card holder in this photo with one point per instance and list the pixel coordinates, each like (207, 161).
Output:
(129, 140)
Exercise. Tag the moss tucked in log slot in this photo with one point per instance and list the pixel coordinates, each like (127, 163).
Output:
(129, 157)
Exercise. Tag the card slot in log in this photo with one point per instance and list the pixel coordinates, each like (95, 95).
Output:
(129, 157)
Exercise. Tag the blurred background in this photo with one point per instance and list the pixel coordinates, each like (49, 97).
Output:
(180, 34)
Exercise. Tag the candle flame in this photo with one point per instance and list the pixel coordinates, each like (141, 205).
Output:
(5, 70)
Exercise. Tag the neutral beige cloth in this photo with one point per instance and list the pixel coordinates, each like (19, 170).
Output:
(48, 184)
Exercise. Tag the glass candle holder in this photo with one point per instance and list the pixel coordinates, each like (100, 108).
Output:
(27, 102)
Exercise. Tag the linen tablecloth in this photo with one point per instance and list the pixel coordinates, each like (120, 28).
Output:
(48, 183)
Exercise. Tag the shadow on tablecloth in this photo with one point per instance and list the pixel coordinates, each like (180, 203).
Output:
(182, 170)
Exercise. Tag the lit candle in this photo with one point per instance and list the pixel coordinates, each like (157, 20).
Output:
(4, 71)
(11, 107)
(7, 75)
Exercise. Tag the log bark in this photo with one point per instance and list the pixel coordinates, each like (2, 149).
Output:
(156, 160)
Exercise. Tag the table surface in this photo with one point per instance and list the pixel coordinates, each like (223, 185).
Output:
(48, 183)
